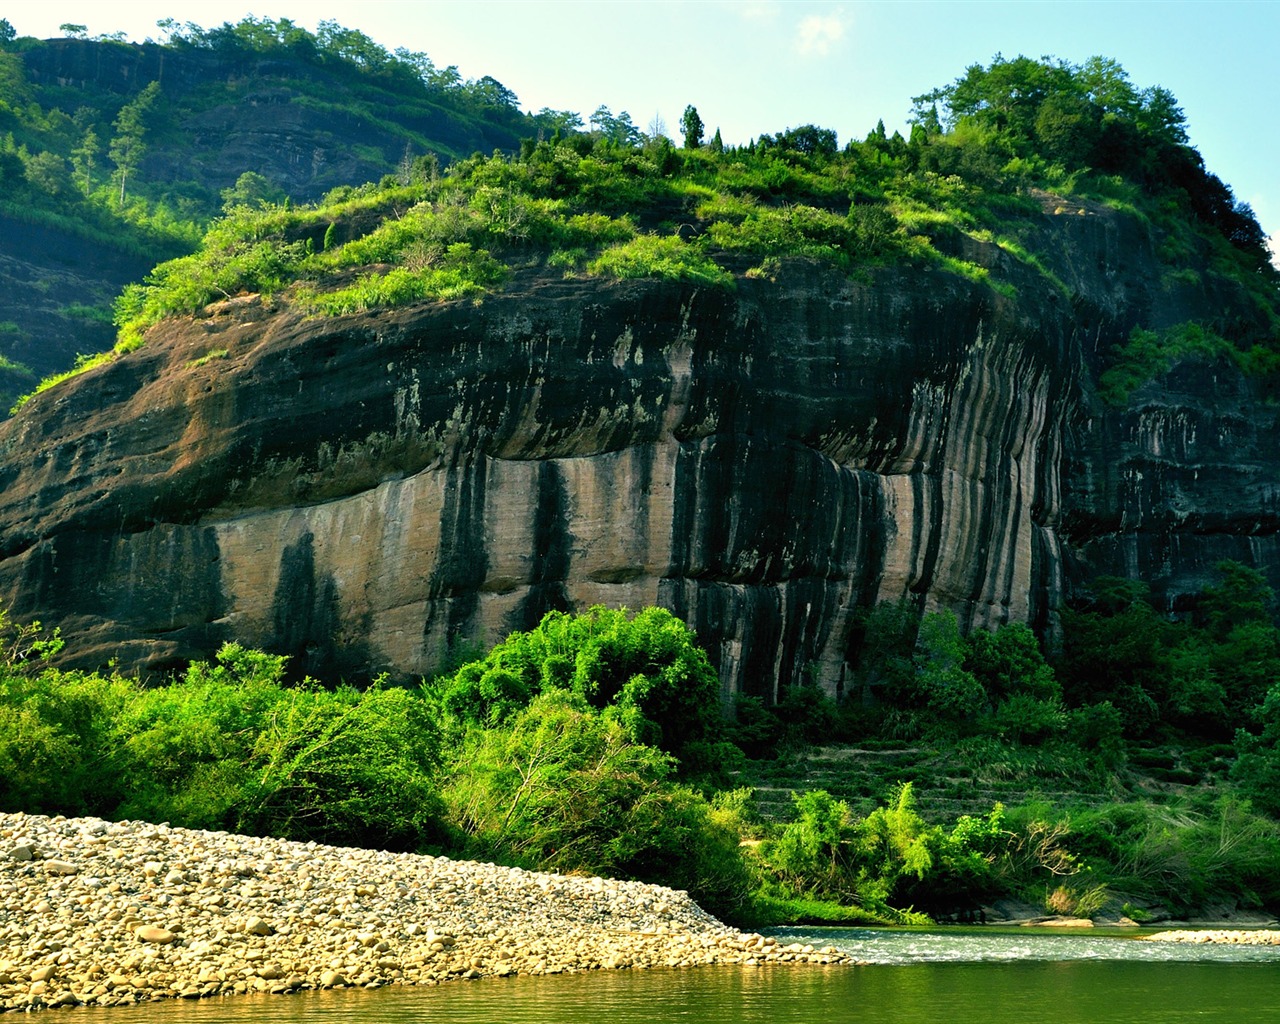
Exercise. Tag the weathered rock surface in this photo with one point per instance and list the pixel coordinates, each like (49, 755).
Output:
(364, 492)
(121, 931)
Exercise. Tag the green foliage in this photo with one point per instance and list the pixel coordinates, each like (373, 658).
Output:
(614, 203)
(1184, 856)
(667, 257)
(128, 147)
(1149, 354)
(460, 272)
(886, 862)
(561, 786)
(1114, 651)
(251, 191)
(691, 127)
(646, 670)
(558, 750)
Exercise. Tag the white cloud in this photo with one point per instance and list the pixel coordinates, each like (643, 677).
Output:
(818, 34)
(756, 10)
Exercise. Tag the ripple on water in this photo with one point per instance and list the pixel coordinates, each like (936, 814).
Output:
(994, 945)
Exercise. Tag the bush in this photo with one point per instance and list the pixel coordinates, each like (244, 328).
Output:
(667, 257)
(647, 669)
(561, 786)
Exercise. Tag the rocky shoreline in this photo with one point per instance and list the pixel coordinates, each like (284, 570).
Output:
(1233, 936)
(117, 913)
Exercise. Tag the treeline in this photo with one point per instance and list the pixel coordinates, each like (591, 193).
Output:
(598, 743)
(612, 201)
(1041, 113)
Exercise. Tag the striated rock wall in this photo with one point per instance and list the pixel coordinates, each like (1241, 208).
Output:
(371, 492)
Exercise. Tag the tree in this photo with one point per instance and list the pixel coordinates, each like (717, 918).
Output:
(251, 191)
(811, 140)
(74, 31)
(562, 121)
(648, 669)
(489, 90)
(947, 691)
(691, 127)
(48, 172)
(1116, 650)
(7, 33)
(83, 156)
(619, 130)
(128, 147)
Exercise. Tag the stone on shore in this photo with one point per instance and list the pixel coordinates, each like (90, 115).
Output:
(150, 912)
(1232, 936)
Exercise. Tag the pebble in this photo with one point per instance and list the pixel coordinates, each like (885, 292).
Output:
(135, 912)
(1233, 936)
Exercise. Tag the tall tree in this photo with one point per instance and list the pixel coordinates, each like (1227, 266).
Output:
(691, 127)
(129, 146)
(83, 156)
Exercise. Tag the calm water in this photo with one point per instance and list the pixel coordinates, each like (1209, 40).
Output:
(916, 976)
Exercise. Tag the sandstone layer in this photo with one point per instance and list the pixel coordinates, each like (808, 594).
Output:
(375, 492)
(101, 913)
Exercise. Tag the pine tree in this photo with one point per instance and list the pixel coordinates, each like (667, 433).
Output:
(691, 127)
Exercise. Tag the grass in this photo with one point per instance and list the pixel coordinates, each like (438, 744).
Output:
(666, 257)
(208, 357)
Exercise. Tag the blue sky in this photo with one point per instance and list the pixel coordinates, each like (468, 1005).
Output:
(752, 67)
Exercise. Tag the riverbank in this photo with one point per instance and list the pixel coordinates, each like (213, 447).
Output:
(116, 913)
(1232, 936)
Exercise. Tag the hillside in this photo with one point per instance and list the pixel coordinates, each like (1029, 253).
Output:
(115, 156)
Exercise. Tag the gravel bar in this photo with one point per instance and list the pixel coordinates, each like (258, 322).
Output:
(103, 913)
(1234, 936)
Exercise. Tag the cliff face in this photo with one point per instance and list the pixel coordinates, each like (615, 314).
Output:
(368, 492)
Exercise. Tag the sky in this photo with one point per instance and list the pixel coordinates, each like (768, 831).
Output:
(754, 66)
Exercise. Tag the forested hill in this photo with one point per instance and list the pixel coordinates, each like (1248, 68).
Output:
(115, 156)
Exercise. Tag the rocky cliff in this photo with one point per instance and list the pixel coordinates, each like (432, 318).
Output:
(369, 492)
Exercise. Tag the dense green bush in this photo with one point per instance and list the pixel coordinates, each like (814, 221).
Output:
(885, 862)
(562, 786)
(667, 257)
(647, 669)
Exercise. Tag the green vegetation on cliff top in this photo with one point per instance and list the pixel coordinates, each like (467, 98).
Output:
(988, 158)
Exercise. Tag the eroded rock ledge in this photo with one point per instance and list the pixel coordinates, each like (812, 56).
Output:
(103, 913)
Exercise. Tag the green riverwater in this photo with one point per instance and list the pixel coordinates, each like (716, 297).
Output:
(950, 977)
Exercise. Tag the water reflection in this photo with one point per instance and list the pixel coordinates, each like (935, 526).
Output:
(923, 978)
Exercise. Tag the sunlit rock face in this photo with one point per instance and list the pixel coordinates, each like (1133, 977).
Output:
(376, 493)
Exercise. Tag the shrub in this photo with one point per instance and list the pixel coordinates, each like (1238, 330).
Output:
(561, 786)
(668, 257)
(647, 669)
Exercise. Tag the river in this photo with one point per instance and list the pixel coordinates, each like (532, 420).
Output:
(984, 976)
